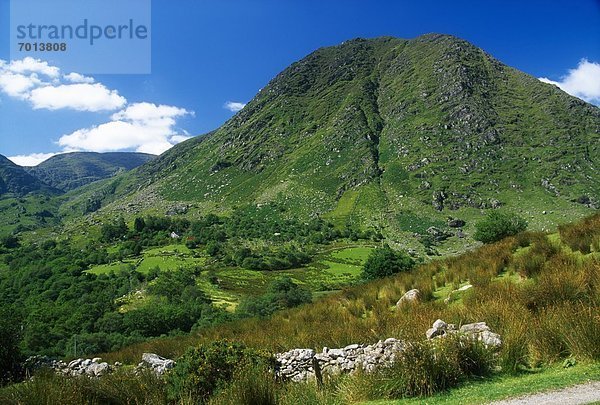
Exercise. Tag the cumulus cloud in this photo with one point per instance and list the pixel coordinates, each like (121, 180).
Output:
(582, 82)
(145, 127)
(79, 96)
(30, 65)
(31, 160)
(234, 106)
(77, 78)
(39, 83)
(18, 85)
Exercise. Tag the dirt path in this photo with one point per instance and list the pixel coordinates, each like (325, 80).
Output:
(575, 395)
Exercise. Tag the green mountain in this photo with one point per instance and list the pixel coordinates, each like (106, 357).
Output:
(388, 132)
(72, 170)
(15, 180)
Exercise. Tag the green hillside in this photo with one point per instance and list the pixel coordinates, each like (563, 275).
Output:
(372, 131)
(72, 170)
(15, 181)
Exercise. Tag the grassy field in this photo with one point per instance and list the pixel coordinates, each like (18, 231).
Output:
(166, 258)
(503, 386)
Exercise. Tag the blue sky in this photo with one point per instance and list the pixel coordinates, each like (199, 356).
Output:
(206, 53)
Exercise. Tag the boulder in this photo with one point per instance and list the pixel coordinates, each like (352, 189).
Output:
(158, 364)
(476, 327)
(409, 297)
(438, 234)
(455, 223)
(490, 339)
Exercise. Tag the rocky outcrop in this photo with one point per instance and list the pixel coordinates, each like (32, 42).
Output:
(438, 235)
(478, 331)
(455, 222)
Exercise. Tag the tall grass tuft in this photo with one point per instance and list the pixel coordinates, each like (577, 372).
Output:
(123, 387)
(581, 235)
(250, 386)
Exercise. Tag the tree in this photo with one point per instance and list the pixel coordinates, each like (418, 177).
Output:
(139, 224)
(114, 231)
(498, 225)
(383, 262)
(282, 293)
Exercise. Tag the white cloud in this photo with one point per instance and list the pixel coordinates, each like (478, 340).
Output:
(18, 85)
(31, 160)
(582, 82)
(39, 83)
(77, 78)
(80, 97)
(145, 127)
(30, 65)
(234, 106)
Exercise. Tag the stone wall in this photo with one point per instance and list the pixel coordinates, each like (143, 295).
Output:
(304, 364)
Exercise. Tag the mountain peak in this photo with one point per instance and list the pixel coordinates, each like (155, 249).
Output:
(434, 118)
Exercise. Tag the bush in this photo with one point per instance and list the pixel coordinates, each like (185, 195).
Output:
(203, 370)
(498, 225)
(9, 241)
(282, 294)
(383, 262)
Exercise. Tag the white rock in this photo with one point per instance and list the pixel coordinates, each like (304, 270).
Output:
(411, 296)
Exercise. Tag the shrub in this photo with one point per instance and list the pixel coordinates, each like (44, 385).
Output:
(204, 369)
(383, 262)
(498, 225)
(9, 241)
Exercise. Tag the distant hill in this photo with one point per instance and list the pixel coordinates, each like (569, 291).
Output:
(16, 181)
(72, 170)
